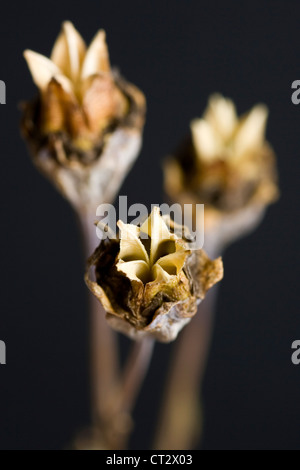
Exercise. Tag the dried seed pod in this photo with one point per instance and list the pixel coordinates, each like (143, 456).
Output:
(148, 280)
(226, 164)
(84, 129)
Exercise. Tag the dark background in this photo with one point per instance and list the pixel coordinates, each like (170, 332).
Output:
(177, 52)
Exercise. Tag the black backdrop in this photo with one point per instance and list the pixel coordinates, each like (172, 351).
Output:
(177, 52)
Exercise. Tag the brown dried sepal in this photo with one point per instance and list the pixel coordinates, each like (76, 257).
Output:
(163, 313)
(54, 119)
(86, 175)
(220, 185)
(234, 200)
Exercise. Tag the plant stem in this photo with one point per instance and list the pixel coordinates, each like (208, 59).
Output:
(104, 346)
(135, 370)
(113, 397)
(181, 421)
(123, 400)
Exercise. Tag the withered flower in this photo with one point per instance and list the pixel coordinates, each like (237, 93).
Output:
(226, 164)
(84, 129)
(148, 280)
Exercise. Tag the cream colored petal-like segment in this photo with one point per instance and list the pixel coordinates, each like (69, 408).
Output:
(159, 274)
(131, 247)
(137, 270)
(43, 70)
(60, 54)
(155, 226)
(69, 51)
(221, 114)
(206, 141)
(174, 260)
(251, 133)
(157, 229)
(97, 58)
(76, 49)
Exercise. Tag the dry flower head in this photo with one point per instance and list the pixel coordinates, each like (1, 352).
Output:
(78, 92)
(226, 163)
(84, 129)
(148, 280)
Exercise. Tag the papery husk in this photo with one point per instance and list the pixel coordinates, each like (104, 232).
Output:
(87, 177)
(238, 210)
(165, 318)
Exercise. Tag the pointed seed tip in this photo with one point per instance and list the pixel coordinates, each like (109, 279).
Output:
(100, 36)
(28, 52)
(68, 24)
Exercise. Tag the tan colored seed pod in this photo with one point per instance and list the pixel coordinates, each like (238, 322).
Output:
(148, 280)
(84, 129)
(227, 165)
